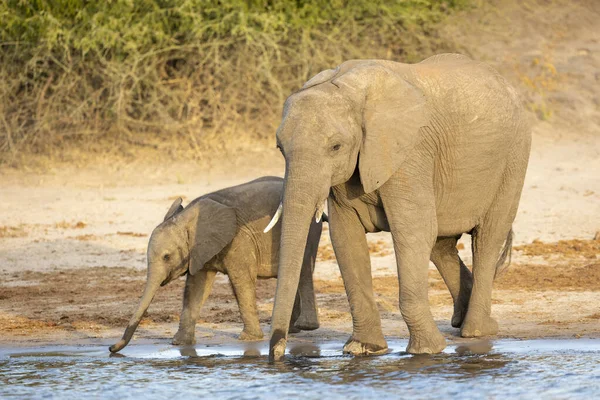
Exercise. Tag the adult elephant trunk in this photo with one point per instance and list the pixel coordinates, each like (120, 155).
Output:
(303, 197)
(152, 285)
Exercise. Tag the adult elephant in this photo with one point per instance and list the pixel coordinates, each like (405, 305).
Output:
(427, 151)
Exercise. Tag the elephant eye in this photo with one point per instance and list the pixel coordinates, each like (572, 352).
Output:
(336, 147)
(166, 257)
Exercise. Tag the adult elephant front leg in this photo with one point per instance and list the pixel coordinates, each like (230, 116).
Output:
(352, 252)
(410, 209)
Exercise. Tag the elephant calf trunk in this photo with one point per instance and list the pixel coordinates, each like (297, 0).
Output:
(151, 287)
(125, 339)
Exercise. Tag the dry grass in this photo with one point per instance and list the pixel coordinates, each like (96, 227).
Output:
(133, 234)
(551, 277)
(70, 225)
(12, 231)
(565, 248)
(538, 80)
(376, 248)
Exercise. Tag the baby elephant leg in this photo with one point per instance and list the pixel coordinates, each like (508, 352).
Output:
(308, 318)
(244, 287)
(457, 276)
(197, 289)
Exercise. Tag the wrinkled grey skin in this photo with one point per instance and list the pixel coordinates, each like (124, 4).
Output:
(426, 151)
(223, 232)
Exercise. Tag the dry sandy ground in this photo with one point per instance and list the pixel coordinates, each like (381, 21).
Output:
(73, 240)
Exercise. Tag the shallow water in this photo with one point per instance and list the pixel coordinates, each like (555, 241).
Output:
(503, 368)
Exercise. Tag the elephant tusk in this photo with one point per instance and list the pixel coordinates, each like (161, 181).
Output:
(319, 213)
(275, 218)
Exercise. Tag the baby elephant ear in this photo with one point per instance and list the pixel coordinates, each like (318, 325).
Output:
(215, 228)
(176, 207)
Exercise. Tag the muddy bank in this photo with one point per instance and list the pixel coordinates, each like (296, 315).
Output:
(557, 298)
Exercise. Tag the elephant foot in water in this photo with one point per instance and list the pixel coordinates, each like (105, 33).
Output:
(364, 348)
(184, 338)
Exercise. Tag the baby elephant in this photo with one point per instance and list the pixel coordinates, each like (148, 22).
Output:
(223, 232)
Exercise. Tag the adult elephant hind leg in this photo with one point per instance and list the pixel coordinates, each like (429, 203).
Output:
(352, 253)
(491, 243)
(308, 318)
(488, 241)
(456, 275)
(197, 290)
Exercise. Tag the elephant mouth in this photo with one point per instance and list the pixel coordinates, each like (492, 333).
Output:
(173, 276)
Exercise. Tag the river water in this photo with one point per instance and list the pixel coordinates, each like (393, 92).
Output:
(481, 369)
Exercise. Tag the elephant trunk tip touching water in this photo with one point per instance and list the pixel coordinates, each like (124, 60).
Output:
(151, 287)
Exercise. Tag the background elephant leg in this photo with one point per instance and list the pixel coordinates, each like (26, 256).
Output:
(309, 318)
(244, 287)
(352, 253)
(295, 314)
(455, 273)
(197, 289)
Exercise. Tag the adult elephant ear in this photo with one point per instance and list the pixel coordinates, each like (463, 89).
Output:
(215, 228)
(321, 77)
(175, 208)
(393, 112)
(330, 74)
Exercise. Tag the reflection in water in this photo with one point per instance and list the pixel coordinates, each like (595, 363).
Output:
(305, 350)
(476, 369)
(476, 347)
(188, 351)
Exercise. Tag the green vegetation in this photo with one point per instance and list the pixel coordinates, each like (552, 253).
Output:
(196, 72)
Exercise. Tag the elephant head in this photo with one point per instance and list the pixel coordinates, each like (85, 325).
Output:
(184, 242)
(359, 118)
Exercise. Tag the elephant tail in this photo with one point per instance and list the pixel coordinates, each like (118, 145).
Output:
(506, 252)
(325, 218)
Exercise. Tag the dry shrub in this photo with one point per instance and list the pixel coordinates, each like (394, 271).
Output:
(195, 74)
(538, 80)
